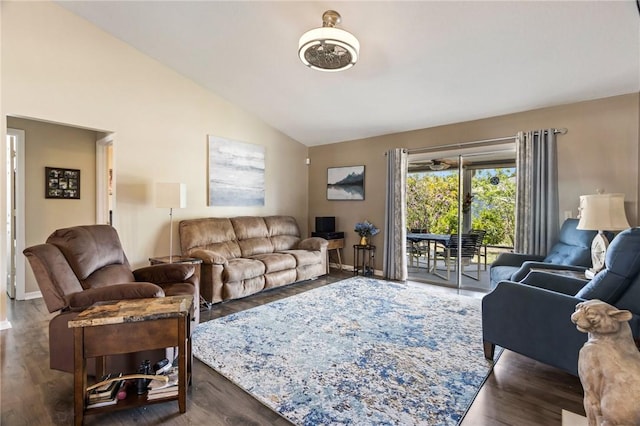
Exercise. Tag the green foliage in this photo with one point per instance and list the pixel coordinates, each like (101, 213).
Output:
(432, 203)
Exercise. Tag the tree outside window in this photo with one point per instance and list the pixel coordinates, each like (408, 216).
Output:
(432, 203)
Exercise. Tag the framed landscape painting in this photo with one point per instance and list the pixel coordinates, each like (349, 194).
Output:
(236, 173)
(345, 183)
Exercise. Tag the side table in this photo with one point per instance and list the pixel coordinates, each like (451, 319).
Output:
(126, 326)
(336, 245)
(174, 259)
(363, 257)
(182, 259)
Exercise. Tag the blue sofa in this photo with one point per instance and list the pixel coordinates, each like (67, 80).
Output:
(573, 249)
(533, 317)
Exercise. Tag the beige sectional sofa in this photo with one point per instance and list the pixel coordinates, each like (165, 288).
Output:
(244, 255)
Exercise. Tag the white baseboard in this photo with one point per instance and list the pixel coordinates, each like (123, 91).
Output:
(349, 268)
(573, 419)
(32, 295)
(5, 325)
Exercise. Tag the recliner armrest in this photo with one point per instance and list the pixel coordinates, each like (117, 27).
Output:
(526, 267)
(209, 256)
(83, 299)
(553, 282)
(166, 273)
(515, 259)
(313, 243)
(534, 322)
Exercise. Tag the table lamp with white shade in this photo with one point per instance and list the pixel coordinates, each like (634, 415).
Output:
(601, 212)
(171, 196)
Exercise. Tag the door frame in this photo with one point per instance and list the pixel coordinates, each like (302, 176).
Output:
(16, 238)
(105, 183)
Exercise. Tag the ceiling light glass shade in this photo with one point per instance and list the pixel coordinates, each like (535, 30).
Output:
(329, 48)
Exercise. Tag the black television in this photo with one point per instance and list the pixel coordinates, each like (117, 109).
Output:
(326, 224)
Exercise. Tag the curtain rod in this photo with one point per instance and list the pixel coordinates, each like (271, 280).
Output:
(479, 143)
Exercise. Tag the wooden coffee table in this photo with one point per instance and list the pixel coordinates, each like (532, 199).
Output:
(126, 326)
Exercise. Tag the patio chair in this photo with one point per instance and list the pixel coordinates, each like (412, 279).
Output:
(417, 249)
(451, 250)
(479, 246)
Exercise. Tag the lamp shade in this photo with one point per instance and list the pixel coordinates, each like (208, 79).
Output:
(602, 212)
(171, 195)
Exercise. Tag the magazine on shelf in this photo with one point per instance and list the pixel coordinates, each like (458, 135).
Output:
(164, 388)
(108, 399)
(107, 391)
(168, 392)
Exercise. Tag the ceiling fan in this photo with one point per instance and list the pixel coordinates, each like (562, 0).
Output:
(433, 165)
(438, 165)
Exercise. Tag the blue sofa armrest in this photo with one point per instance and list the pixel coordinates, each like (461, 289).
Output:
(515, 259)
(534, 322)
(527, 266)
(557, 283)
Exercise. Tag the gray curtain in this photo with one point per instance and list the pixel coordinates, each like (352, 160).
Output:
(537, 192)
(395, 222)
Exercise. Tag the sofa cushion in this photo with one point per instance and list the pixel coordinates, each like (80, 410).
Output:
(622, 264)
(282, 225)
(284, 242)
(573, 247)
(275, 262)
(305, 257)
(91, 248)
(242, 268)
(237, 289)
(502, 273)
(212, 233)
(283, 231)
(280, 278)
(109, 275)
(252, 235)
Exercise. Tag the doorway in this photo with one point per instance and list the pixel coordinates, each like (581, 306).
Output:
(460, 210)
(31, 216)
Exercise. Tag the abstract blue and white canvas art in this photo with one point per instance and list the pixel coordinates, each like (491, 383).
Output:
(236, 173)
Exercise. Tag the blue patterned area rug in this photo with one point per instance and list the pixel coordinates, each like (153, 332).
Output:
(357, 352)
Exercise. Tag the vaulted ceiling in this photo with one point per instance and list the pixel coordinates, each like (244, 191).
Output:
(422, 64)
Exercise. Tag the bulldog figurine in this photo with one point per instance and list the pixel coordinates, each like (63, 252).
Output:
(608, 365)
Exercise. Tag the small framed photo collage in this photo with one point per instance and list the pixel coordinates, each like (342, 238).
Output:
(61, 183)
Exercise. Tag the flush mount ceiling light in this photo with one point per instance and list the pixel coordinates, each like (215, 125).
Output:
(329, 48)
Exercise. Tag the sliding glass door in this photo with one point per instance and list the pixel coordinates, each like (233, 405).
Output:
(459, 205)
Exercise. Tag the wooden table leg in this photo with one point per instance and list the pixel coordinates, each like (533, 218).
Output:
(182, 363)
(79, 376)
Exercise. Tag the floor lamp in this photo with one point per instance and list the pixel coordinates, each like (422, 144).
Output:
(601, 212)
(171, 196)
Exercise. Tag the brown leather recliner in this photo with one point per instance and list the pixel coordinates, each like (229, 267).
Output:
(82, 265)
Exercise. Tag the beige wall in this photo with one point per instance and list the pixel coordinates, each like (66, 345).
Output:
(50, 145)
(600, 150)
(58, 67)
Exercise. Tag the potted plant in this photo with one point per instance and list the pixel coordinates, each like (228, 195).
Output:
(366, 230)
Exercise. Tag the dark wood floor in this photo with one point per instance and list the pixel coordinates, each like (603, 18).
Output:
(519, 392)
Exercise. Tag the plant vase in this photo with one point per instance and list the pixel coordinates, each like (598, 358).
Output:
(364, 241)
